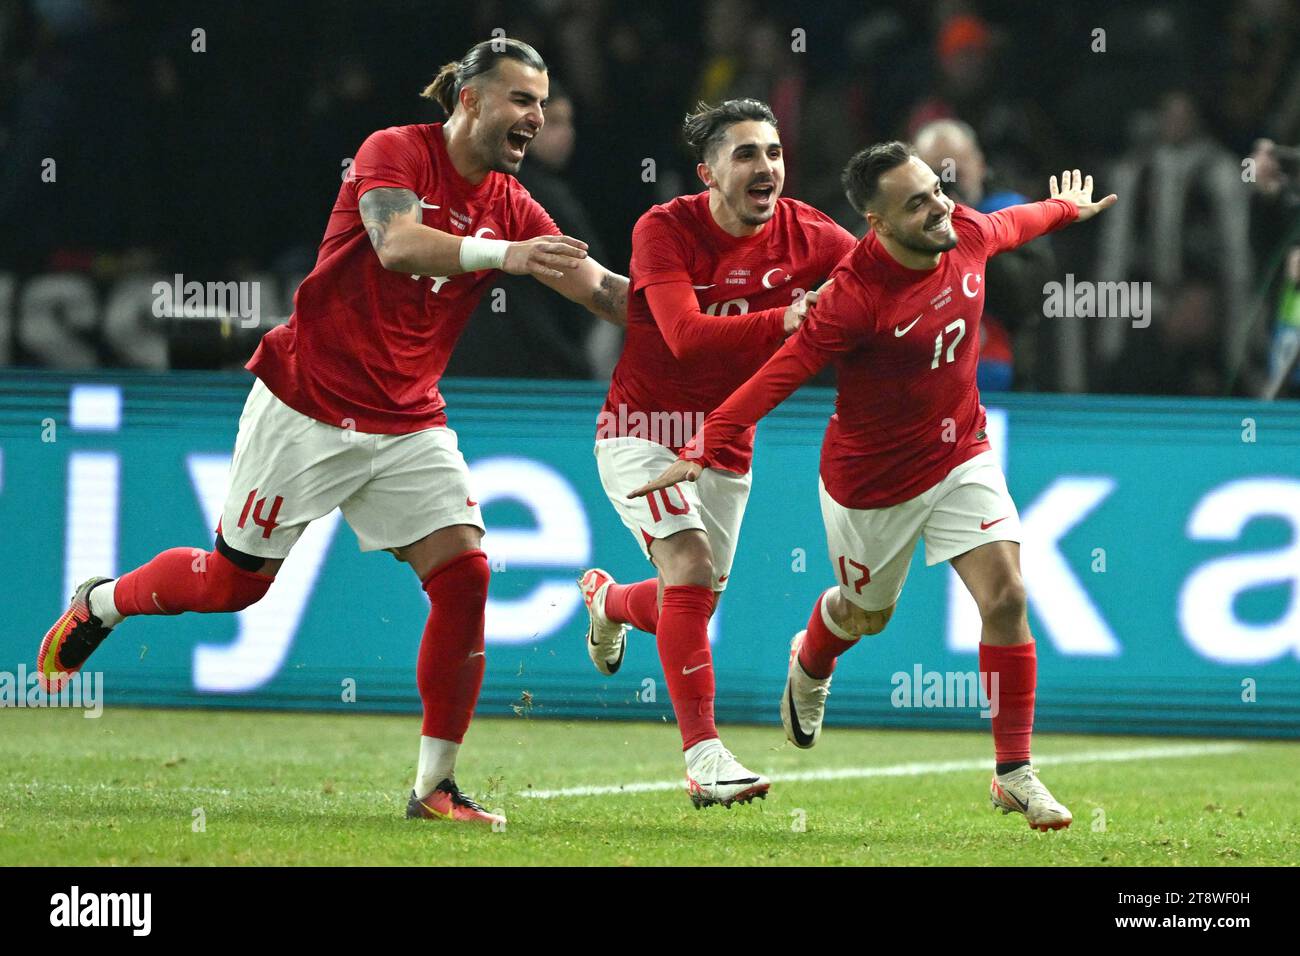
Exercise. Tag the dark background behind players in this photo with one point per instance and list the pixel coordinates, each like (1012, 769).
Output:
(222, 164)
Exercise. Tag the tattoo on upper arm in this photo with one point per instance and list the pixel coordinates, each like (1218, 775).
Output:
(611, 297)
(379, 206)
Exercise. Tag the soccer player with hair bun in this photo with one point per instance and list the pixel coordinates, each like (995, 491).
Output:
(345, 411)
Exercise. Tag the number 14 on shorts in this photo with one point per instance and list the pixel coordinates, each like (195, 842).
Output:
(267, 524)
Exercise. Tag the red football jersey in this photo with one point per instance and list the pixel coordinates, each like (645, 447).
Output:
(737, 277)
(906, 346)
(365, 346)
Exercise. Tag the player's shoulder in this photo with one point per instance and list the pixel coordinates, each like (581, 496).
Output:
(413, 134)
(802, 212)
(678, 217)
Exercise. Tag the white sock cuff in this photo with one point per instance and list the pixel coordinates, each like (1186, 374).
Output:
(829, 621)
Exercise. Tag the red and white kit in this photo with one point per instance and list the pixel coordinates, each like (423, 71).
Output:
(706, 311)
(906, 454)
(347, 412)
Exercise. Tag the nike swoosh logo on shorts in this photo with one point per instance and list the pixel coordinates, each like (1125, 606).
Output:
(985, 525)
(900, 331)
(698, 667)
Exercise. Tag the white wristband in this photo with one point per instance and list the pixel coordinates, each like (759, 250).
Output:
(476, 253)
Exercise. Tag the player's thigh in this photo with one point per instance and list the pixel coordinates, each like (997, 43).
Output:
(627, 463)
(723, 496)
(287, 471)
(420, 485)
(971, 507)
(871, 549)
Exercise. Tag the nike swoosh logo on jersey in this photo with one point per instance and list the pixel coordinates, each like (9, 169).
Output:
(985, 525)
(900, 331)
(698, 667)
(428, 205)
(709, 286)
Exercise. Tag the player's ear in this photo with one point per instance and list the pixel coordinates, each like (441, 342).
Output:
(878, 225)
(706, 175)
(469, 99)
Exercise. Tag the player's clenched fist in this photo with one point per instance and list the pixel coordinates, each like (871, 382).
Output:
(544, 256)
(798, 311)
(679, 470)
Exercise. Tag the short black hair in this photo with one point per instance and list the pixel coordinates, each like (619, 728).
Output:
(705, 127)
(861, 177)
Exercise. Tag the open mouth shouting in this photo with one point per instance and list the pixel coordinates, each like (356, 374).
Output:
(517, 141)
(762, 194)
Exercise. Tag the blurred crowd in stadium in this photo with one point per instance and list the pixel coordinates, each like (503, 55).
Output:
(217, 154)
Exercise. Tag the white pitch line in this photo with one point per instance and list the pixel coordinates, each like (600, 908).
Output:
(911, 769)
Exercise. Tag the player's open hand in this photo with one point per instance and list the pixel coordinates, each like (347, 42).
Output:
(680, 470)
(1079, 191)
(544, 256)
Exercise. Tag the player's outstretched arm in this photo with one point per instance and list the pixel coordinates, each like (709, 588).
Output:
(405, 244)
(1079, 191)
(595, 288)
(767, 388)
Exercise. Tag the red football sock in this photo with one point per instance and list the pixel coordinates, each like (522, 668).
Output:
(449, 670)
(821, 645)
(635, 604)
(187, 579)
(688, 663)
(1011, 698)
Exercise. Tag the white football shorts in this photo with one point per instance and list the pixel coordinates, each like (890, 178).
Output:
(714, 504)
(290, 469)
(871, 549)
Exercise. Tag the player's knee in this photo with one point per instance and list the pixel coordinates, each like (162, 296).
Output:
(865, 623)
(1006, 605)
(464, 579)
(686, 559)
(230, 588)
(875, 621)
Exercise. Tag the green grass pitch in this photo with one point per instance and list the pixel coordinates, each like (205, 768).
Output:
(227, 787)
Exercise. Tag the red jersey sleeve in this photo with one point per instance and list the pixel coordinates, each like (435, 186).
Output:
(391, 158)
(659, 251)
(837, 322)
(1013, 226)
(688, 332)
(528, 219)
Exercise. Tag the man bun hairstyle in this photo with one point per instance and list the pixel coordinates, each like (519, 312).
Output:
(861, 177)
(481, 58)
(705, 128)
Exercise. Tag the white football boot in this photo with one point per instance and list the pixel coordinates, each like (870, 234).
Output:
(606, 639)
(1020, 791)
(714, 775)
(804, 702)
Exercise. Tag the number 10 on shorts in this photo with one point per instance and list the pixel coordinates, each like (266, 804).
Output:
(267, 524)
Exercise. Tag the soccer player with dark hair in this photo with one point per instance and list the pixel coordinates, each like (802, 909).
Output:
(906, 454)
(346, 412)
(719, 279)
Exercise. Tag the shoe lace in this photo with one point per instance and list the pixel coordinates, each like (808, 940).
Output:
(460, 799)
